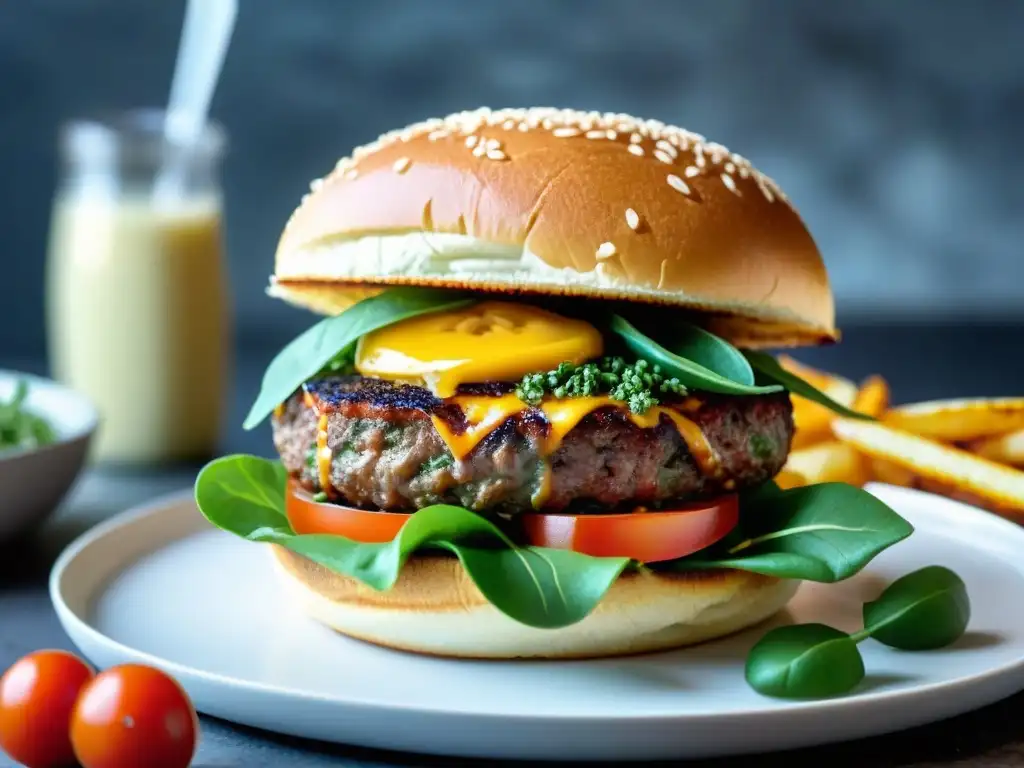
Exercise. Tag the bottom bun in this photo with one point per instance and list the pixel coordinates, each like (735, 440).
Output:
(435, 608)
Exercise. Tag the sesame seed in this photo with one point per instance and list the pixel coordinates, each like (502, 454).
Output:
(691, 171)
(665, 157)
(546, 124)
(635, 138)
(744, 172)
(493, 144)
(636, 149)
(730, 167)
(596, 134)
(401, 165)
(678, 184)
(508, 125)
(611, 135)
(524, 127)
(729, 183)
(471, 140)
(435, 135)
(315, 184)
(564, 133)
(479, 150)
(632, 219)
(496, 154)
(605, 251)
(351, 173)
(664, 146)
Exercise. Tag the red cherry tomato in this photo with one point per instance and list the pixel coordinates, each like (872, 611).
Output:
(134, 715)
(645, 536)
(37, 697)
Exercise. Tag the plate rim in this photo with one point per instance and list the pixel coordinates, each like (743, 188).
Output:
(163, 504)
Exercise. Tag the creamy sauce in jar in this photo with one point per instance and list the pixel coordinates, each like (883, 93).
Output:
(137, 320)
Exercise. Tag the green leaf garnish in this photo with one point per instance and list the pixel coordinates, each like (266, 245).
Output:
(921, 611)
(804, 661)
(770, 369)
(536, 586)
(20, 427)
(825, 533)
(690, 373)
(795, 535)
(308, 354)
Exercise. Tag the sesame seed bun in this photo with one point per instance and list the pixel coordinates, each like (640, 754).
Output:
(434, 608)
(545, 201)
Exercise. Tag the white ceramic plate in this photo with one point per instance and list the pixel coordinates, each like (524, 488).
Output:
(158, 585)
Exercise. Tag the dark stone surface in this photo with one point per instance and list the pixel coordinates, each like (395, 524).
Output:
(919, 361)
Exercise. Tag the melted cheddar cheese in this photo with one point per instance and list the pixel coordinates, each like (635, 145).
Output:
(487, 341)
(485, 414)
(323, 454)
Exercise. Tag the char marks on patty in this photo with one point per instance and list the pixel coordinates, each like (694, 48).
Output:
(387, 454)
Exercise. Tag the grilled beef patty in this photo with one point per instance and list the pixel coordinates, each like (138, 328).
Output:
(385, 452)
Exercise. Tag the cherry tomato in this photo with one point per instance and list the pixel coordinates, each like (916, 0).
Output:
(134, 715)
(37, 696)
(367, 525)
(645, 536)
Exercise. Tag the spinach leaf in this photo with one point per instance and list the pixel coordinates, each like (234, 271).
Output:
(309, 353)
(804, 661)
(770, 370)
(536, 586)
(920, 611)
(825, 533)
(691, 374)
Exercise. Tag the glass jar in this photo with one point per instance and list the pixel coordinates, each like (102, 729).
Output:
(136, 291)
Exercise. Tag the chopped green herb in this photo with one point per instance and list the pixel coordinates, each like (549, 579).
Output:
(760, 446)
(19, 427)
(311, 456)
(320, 497)
(435, 463)
(637, 384)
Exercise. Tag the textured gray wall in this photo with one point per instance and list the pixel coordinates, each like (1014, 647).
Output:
(895, 125)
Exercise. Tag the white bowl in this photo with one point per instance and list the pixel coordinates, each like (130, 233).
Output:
(33, 482)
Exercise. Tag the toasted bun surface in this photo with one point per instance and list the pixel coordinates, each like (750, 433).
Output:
(434, 608)
(561, 202)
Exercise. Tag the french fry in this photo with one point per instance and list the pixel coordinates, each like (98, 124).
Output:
(788, 478)
(959, 420)
(938, 467)
(1006, 449)
(893, 474)
(829, 462)
(873, 397)
(812, 376)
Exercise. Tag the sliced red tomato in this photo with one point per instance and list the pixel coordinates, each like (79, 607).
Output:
(367, 525)
(645, 536)
(649, 537)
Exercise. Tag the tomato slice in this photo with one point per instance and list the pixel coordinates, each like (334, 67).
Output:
(366, 525)
(645, 536)
(649, 537)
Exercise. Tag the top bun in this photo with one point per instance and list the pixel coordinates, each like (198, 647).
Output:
(548, 201)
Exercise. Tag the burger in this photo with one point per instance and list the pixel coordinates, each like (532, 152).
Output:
(538, 416)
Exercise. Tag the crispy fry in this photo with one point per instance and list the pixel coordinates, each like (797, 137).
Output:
(812, 420)
(1006, 449)
(944, 468)
(873, 397)
(829, 462)
(813, 376)
(893, 474)
(789, 478)
(959, 420)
